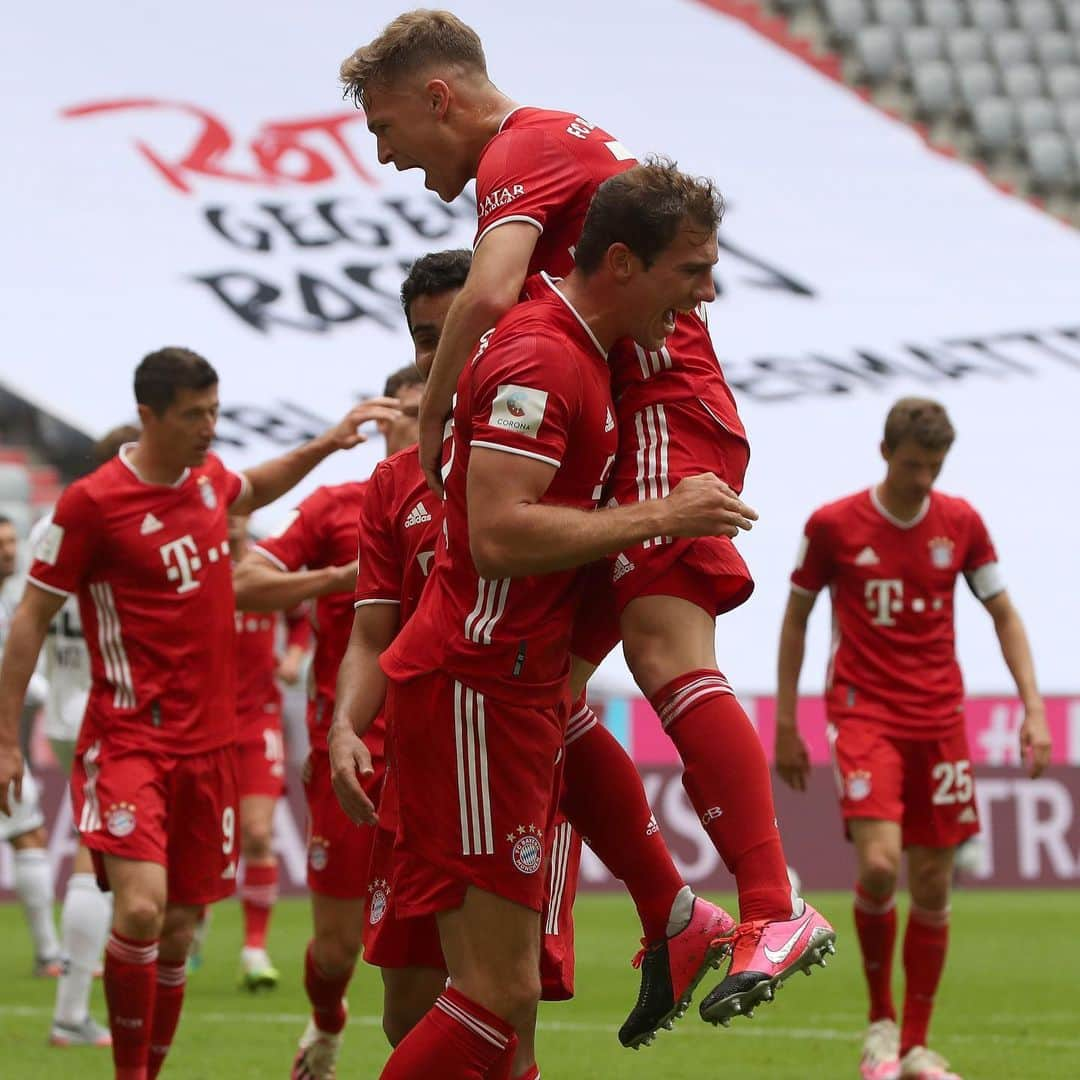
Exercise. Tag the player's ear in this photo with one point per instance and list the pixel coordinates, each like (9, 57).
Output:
(886, 453)
(620, 262)
(438, 98)
(146, 415)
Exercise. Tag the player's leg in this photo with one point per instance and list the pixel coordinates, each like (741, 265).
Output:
(84, 926)
(604, 800)
(259, 889)
(492, 949)
(408, 994)
(178, 929)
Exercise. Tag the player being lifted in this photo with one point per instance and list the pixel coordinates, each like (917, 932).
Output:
(143, 542)
(424, 87)
(890, 557)
(312, 557)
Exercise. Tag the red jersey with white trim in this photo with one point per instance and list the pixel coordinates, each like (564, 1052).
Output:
(538, 387)
(892, 585)
(150, 564)
(319, 533)
(399, 528)
(257, 691)
(543, 168)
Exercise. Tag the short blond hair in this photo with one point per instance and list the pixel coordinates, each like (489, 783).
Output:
(411, 42)
(921, 421)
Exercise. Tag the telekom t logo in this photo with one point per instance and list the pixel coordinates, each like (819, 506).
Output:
(181, 558)
(884, 598)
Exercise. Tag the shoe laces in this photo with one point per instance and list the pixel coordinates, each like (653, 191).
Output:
(881, 1042)
(639, 956)
(752, 929)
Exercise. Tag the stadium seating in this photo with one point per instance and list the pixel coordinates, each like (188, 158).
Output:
(999, 79)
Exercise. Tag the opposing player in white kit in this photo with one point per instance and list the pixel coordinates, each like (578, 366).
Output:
(24, 827)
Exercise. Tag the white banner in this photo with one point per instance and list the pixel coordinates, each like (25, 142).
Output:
(189, 175)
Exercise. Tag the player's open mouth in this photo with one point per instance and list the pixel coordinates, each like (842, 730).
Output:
(669, 321)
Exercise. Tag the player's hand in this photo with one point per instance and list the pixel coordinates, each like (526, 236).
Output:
(792, 758)
(288, 669)
(704, 505)
(347, 434)
(343, 578)
(11, 774)
(1035, 740)
(349, 762)
(431, 427)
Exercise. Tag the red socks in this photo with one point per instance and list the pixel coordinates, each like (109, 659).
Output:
(727, 778)
(604, 800)
(456, 1040)
(130, 985)
(259, 893)
(171, 980)
(326, 995)
(925, 944)
(875, 923)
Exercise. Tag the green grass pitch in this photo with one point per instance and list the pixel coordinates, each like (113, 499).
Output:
(1007, 1006)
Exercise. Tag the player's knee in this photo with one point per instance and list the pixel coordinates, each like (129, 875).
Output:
(255, 840)
(336, 953)
(651, 660)
(518, 996)
(879, 870)
(398, 1020)
(140, 916)
(930, 887)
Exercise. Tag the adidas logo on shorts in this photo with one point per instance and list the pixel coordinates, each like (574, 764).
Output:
(417, 516)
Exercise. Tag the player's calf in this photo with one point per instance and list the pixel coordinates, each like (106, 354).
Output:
(766, 954)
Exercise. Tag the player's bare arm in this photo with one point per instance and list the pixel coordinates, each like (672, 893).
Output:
(29, 626)
(512, 534)
(792, 757)
(272, 479)
(1016, 651)
(498, 271)
(261, 585)
(361, 688)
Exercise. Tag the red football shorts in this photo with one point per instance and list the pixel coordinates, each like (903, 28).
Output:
(338, 851)
(925, 785)
(176, 810)
(394, 942)
(477, 783)
(260, 756)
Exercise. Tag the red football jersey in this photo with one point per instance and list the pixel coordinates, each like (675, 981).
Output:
(150, 564)
(321, 532)
(257, 691)
(538, 386)
(399, 528)
(892, 586)
(543, 167)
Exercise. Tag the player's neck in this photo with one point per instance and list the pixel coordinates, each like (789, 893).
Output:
(595, 309)
(486, 115)
(152, 466)
(900, 508)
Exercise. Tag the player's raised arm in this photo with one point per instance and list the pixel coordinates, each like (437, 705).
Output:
(263, 585)
(29, 626)
(1016, 651)
(361, 688)
(498, 271)
(272, 479)
(792, 758)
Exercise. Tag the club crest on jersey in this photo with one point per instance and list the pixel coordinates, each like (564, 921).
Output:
(380, 897)
(528, 848)
(209, 495)
(941, 552)
(120, 820)
(318, 853)
(858, 785)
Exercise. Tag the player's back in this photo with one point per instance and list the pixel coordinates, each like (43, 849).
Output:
(543, 168)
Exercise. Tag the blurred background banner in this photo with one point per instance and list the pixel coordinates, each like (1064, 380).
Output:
(190, 175)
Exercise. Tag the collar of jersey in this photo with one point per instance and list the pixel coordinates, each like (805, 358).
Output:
(550, 282)
(891, 519)
(516, 108)
(123, 456)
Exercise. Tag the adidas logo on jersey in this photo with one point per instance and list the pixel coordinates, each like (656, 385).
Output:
(622, 567)
(609, 423)
(417, 516)
(150, 524)
(867, 557)
(967, 816)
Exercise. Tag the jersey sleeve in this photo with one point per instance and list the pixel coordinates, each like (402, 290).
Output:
(814, 563)
(380, 572)
(228, 484)
(524, 176)
(295, 544)
(65, 553)
(981, 569)
(524, 396)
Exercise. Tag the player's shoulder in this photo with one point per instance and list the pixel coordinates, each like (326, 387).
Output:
(400, 468)
(332, 497)
(953, 508)
(106, 481)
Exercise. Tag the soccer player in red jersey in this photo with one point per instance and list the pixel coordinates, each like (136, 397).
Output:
(424, 86)
(313, 557)
(890, 557)
(478, 675)
(260, 761)
(143, 541)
